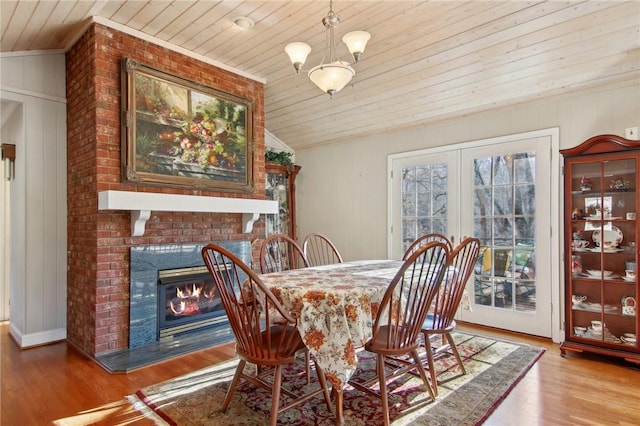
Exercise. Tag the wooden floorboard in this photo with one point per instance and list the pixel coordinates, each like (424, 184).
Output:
(55, 384)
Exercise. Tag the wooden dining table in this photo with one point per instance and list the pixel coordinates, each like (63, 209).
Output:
(336, 306)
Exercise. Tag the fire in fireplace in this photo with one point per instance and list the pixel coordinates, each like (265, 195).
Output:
(187, 302)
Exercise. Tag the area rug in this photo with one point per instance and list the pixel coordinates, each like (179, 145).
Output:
(493, 369)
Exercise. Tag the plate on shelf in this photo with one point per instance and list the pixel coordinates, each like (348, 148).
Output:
(630, 279)
(611, 250)
(591, 306)
(613, 236)
(599, 273)
(598, 217)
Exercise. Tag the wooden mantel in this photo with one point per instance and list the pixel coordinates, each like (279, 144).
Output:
(141, 204)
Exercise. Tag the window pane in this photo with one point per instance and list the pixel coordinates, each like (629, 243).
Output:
(409, 204)
(423, 178)
(502, 170)
(502, 200)
(502, 231)
(440, 177)
(525, 230)
(409, 179)
(482, 171)
(525, 199)
(482, 202)
(525, 168)
(440, 204)
(424, 203)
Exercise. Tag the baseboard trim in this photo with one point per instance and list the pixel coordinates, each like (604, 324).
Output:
(37, 339)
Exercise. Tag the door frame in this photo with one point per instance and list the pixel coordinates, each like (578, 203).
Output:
(4, 246)
(557, 311)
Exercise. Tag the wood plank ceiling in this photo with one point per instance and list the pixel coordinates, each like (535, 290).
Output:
(426, 61)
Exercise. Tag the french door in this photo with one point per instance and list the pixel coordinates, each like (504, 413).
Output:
(501, 192)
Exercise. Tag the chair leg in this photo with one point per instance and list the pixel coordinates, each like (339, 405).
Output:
(432, 370)
(307, 366)
(339, 414)
(452, 344)
(233, 385)
(323, 383)
(383, 389)
(423, 374)
(275, 395)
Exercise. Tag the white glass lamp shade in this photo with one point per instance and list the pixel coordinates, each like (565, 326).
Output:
(298, 53)
(356, 42)
(331, 78)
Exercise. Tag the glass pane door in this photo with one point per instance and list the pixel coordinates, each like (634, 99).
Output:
(501, 193)
(511, 217)
(504, 221)
(422, 203)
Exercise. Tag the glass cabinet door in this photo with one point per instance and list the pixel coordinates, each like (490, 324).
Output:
(602, 242)
(277, 189)
(280, 186)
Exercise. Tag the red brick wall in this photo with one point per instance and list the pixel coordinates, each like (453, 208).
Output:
(99, 241)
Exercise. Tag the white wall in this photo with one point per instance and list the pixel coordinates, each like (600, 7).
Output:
(38, 211)
(341, 189)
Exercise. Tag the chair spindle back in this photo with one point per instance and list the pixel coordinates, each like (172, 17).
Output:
(279, 252)
(406, 302)
(427, 238)
(320, 250)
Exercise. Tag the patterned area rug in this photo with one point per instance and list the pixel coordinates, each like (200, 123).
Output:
(493, 368)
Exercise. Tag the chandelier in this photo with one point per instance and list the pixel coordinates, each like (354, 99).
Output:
(333, 75)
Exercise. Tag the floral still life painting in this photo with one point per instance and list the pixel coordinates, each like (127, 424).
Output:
(181, 133)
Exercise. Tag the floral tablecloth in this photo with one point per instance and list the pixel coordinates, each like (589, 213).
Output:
(336, 305)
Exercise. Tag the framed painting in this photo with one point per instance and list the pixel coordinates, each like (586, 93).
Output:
(180, 133)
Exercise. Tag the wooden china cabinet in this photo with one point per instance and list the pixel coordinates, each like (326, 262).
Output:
(281, 186)
(601, 203)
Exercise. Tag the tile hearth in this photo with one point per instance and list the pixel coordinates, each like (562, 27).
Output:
(131, 359)
(145, 347)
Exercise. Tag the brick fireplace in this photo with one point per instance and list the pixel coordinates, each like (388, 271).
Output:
(100, 241)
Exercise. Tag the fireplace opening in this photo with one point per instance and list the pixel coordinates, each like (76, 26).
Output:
(187, 302)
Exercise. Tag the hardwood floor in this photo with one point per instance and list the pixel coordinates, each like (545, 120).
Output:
(54, 384)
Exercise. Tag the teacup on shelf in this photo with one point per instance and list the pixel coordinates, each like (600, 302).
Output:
(579, 244)
(596, 326)
(579, 331)
(628, 305)
(578, 298)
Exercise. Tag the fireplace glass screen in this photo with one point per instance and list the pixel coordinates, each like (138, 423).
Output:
(187, 301)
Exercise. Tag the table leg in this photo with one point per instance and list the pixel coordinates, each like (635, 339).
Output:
(339, 394)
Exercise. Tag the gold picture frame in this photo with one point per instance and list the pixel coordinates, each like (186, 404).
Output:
(181, 133)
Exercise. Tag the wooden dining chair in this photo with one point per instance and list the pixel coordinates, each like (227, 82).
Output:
(427, 238)
(320, 250)
(441, 319)
(280, 252)
(403, 309)
(262, 340)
